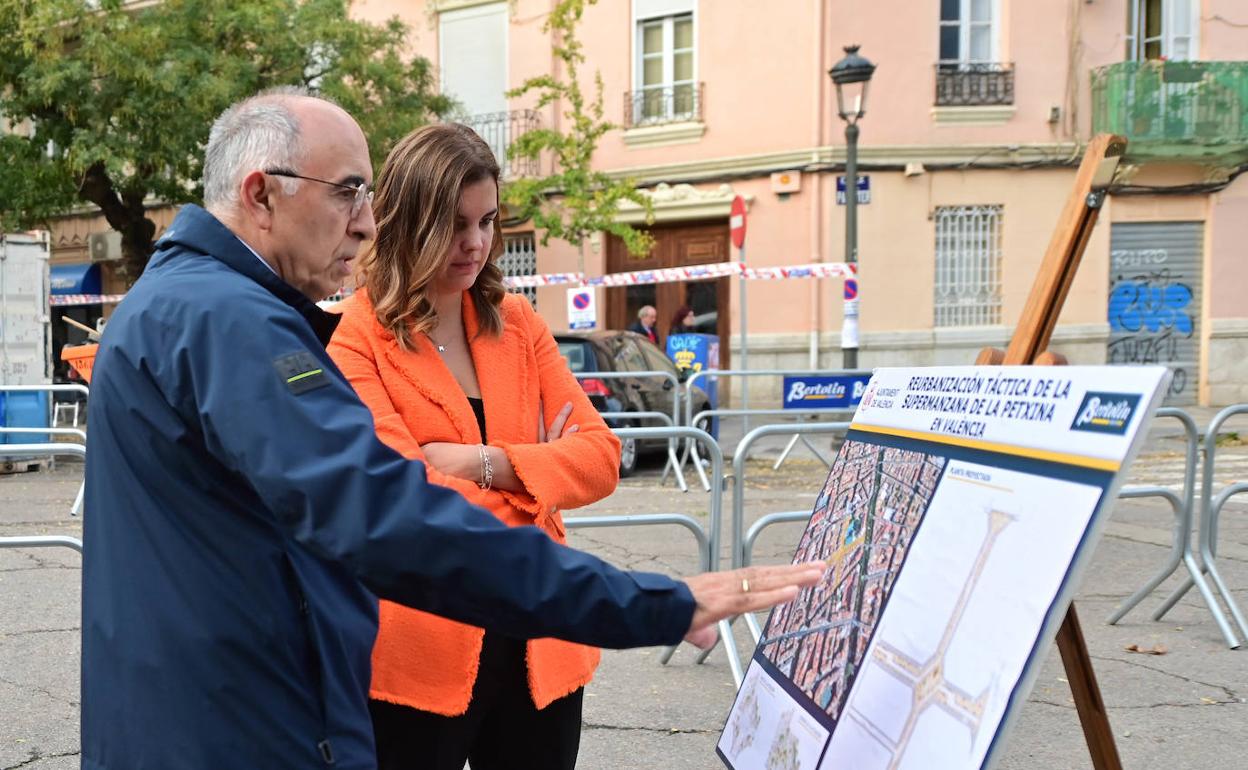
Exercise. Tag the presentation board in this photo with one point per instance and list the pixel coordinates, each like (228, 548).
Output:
(955, 521)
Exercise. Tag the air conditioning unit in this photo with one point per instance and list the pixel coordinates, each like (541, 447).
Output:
(105, 247)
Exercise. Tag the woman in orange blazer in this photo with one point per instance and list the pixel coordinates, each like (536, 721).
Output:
(466, 377)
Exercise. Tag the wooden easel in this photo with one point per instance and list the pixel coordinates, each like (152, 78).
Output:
(1029, 345)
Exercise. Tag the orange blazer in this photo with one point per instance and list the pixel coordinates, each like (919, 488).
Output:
(428, 662)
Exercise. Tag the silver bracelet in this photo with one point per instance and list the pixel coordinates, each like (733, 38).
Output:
(487, 468)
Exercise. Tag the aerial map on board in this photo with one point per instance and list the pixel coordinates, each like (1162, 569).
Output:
(953, 522)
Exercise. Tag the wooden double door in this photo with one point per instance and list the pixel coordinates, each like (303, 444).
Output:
(675, 246)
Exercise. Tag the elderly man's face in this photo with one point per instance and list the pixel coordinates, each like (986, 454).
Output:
(315, 237)
(648, 317)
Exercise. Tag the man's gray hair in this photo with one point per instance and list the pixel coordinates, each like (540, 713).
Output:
(258, 133)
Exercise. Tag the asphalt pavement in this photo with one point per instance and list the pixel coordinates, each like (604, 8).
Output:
(1182, 708)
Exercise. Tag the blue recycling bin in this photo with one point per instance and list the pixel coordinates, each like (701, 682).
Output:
(24, 409)
(694, 353)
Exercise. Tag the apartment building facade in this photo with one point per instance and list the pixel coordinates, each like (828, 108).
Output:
(974, 122)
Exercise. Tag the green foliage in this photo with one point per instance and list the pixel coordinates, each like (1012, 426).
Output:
(575, 201)
(113, 105)
(1229, 439)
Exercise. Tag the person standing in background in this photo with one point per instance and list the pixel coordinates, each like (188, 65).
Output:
(682, 321)
(647, 316)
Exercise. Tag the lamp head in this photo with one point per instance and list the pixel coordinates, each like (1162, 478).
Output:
(851, 76)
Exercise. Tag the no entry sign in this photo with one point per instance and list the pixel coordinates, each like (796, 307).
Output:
(736, 222)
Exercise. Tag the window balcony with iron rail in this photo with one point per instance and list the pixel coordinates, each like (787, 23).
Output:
(499, 130)
(965, 84)
(1175, 110)
(664, 115)
(655, 106)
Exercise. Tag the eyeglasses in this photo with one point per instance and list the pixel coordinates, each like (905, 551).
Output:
(362, 193)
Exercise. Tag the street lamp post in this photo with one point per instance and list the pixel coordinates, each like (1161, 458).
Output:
(851, 76)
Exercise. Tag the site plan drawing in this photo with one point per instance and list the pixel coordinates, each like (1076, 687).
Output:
(953, 521)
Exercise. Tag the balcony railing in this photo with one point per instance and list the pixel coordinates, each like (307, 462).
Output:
(972, 85)
(656, 106)
(1175, 109)
(499, 130)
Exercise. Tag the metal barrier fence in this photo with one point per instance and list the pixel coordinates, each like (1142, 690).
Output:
(41, 450)
(81, 435)
(743, 542)
(746, 414)
(739, 555)
(673, 463)
(76, 432)
(1181, 551)
(1209, 512)
(69, 387)
(630, 445)
(709, 540)
(781, 517)
(41, 541)
(706, 374)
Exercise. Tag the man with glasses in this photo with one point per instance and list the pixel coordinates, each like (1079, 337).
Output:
(243, 515)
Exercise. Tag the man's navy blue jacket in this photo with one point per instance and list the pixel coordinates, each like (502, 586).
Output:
(241, 515)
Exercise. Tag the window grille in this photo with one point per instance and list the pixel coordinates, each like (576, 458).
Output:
(968, 265)
(519, 258)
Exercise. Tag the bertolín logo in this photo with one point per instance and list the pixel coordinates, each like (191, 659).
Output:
(1105, 412)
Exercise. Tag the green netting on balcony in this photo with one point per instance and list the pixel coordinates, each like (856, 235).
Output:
(1179, 110)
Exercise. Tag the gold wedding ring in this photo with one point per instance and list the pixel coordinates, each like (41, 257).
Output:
(745, 586)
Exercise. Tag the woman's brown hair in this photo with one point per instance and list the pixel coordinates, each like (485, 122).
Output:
(417, 201)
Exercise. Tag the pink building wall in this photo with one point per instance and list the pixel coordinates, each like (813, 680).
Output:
(768, 97)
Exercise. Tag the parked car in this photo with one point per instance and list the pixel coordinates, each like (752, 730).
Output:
(621, 351)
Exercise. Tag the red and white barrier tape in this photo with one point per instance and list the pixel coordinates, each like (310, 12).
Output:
(549, 279)
(634, 278)
(810, 270)
(688, 273)
(57, 300)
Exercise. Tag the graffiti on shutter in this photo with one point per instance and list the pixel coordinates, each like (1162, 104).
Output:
(1154, 300)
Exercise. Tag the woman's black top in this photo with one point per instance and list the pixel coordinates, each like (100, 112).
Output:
(478, 408)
